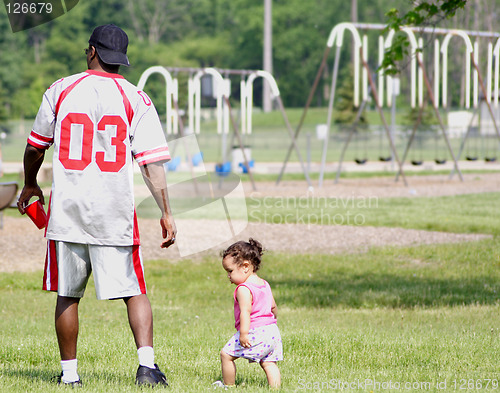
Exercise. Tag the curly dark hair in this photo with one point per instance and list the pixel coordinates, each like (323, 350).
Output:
(245, 251)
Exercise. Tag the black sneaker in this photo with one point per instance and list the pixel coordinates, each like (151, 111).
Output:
(150, 376)
(76, 384)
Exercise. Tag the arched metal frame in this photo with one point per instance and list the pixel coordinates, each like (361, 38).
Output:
(418, 76)
(222, 87)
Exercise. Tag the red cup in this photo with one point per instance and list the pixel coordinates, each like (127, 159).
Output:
(36, 212)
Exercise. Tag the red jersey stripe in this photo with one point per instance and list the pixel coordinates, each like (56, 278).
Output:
(128, 107)
(137, 238)
(41, 137)
(66, 91)
(154, 151)
(105, 74)
(154, 159)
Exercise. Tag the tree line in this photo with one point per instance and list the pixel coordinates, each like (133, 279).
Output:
(194, 33)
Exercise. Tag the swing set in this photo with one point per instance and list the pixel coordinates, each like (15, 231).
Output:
(364, 87)
(221, 87)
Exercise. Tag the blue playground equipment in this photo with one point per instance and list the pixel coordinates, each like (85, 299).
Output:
(197, 158)
(173, 163)
(223, 169)
(244, 168)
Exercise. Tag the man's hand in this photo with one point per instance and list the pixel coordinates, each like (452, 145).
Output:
(33, 158)
(169, 230)
(26, 194)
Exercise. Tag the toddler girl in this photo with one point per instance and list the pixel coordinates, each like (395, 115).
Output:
(258, 338)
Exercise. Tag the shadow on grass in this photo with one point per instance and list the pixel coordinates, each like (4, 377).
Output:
(370, 291)
(51, 376)
(46, 376)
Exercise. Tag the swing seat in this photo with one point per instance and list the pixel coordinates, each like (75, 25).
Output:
(417, 162)
(471, 158)
(385, 159)
(360, 161)
(173, 164)
(223, 169)
(490, 159)
(440, 161)
(197, 158)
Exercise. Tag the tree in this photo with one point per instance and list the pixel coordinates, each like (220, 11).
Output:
(156, 20)
(346, 111)
(424, 13)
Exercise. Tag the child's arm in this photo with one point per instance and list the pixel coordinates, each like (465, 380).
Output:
(274, 310)
(244, 298)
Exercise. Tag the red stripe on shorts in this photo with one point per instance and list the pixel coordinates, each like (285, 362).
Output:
(139, 271)
(50, 270)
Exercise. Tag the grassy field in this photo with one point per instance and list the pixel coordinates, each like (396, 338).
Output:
(413, 315)
(424, 318)
(473, 213)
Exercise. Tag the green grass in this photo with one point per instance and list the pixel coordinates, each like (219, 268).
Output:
(471, 213)
(422, 314)
(314, 176)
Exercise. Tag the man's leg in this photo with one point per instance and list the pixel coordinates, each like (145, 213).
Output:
(140, 317)
(66, 320)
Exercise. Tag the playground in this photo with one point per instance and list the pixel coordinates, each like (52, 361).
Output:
(408, 294)
(382, 247)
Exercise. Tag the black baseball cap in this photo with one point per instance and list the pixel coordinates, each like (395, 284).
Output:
(111, 44)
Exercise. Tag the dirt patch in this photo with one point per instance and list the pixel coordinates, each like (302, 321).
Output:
(23, 246)
(383, 187)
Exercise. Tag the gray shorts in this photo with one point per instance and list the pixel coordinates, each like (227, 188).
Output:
(118, 270)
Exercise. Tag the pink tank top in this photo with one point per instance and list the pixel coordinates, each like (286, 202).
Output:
(262, 302)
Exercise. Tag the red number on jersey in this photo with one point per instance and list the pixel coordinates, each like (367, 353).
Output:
(108, 123)
(115, 122)
(87, 138)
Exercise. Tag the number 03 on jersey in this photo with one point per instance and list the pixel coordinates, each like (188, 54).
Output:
(111, 138)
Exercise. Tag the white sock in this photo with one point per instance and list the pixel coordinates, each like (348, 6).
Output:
(146, 356)
(69, 368)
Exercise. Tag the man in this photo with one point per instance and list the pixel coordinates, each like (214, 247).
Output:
(97, 122)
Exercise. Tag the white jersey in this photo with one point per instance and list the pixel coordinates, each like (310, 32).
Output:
(97, 123)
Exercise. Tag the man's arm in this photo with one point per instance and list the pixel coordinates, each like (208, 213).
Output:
(154, 177)
(33, 158)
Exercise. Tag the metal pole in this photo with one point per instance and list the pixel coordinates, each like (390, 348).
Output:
(330, 114)
(188, 155)
(308, 151)
(412, 136)
(348, 140)
(483, 89)
(441, 124)
(240, 141)
(428, 30)
(462, 145)
(268, 54)
(306, 108)
(382, 117)
(294, 142)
